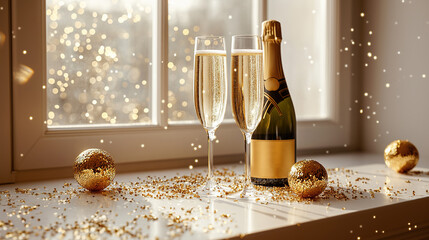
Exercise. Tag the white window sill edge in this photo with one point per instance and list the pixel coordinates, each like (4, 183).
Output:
(396, 216)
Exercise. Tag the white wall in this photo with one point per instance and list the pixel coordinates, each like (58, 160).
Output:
(400, 40)
(400, 109)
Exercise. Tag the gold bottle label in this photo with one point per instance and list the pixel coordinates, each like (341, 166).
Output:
(271, 158)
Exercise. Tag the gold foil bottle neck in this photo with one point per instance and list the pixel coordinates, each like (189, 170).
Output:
(271, 31)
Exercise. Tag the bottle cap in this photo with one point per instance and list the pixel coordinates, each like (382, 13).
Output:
(271, 31)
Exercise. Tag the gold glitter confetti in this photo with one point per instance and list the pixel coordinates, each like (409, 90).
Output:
(125, 211)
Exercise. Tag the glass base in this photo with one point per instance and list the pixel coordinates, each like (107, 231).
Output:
(248, 193)
(211, 189)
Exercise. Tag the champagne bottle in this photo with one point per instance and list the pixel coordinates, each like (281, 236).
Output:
(273, 150)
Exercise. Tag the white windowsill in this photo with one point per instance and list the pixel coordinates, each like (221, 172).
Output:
(404, 213)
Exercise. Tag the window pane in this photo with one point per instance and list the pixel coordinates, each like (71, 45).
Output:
(304, 53)
(188, 19)
(99, 62)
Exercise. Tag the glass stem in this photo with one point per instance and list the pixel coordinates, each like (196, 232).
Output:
(211, 137)
(248, 139)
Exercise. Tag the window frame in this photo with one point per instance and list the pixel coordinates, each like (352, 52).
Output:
(52, 149)
(5, 96)
(336, 127)
(36, 146)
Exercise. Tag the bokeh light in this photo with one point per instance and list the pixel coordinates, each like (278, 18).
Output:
(23, 74)
(99, 58)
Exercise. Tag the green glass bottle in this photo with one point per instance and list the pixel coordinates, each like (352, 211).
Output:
(273, 150)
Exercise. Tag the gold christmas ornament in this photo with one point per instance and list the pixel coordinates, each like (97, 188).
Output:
(94, 169)
(401, 156)
(308, 178)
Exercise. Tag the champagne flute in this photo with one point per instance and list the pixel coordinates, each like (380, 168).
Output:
(210, 93)
(247, 93)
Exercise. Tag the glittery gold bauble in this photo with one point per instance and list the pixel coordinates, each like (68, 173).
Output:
(308, 178)
(94, 169)
(401, 156)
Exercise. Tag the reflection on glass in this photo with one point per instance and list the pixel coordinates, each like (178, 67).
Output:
(305, 54)
(23, 74)
(210, 94)
(247, 93)
(2, 39)
(186, 20)
(99, 62)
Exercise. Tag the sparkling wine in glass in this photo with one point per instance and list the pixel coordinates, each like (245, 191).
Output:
(210, 94)
(247, 93)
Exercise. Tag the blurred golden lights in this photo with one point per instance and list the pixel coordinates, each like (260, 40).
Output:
(23, 74)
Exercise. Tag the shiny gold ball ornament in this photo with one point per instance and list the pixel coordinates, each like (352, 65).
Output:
(94, 169)
(401, 156)
(308, 178)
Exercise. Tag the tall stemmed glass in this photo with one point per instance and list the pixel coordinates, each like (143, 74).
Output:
(210, 93)
(247, 93)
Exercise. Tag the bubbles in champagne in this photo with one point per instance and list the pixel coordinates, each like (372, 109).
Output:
(247, 88)
(210, 87)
